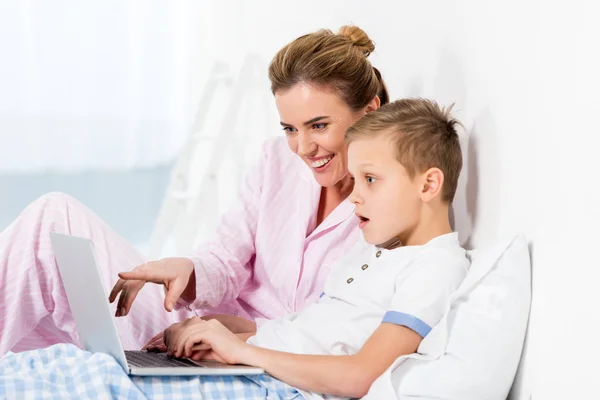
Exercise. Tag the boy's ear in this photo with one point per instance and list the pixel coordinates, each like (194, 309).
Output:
(433, 181)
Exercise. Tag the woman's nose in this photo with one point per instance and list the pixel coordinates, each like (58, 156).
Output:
(306, 146)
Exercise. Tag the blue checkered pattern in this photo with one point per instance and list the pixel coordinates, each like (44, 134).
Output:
(66, 372)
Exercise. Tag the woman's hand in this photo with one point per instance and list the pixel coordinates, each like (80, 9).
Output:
(176, 274)
(233, 323)
(195, 334)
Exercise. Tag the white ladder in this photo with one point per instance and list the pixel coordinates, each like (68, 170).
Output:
(191, 201)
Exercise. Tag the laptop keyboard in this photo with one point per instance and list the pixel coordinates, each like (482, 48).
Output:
(144, 359)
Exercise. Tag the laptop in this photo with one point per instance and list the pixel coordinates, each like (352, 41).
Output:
(96, 327)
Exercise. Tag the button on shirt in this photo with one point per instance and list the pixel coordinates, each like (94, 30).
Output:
(409, 286)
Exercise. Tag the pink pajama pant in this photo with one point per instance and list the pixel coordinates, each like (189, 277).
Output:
(34, 311)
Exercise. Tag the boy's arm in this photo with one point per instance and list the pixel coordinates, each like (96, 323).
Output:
(348, 376)
(419, 302)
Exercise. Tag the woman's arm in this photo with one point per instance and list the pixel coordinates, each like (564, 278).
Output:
(217, 270)
(349, 376)
(221, 265)
(234, 323)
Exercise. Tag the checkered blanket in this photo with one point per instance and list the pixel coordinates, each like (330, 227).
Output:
(66, 372)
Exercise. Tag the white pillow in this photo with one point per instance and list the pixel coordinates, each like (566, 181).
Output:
(474, 352)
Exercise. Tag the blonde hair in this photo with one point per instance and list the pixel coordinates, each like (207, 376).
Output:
(338, 61)
(424, 135)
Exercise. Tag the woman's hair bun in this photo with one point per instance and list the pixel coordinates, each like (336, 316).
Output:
(358, 37)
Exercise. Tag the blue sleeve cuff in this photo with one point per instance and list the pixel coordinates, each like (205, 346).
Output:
(409, 321)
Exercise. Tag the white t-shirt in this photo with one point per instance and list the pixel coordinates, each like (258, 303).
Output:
(409, 286)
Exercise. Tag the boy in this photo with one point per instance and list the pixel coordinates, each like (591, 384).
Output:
(391, 289)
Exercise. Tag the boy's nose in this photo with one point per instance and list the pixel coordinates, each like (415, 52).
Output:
(355, 198)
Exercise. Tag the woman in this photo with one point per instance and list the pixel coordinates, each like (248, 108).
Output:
(270, 255)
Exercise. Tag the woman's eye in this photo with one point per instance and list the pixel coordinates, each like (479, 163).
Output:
(319, 127)
(289, 129)
(370, 179)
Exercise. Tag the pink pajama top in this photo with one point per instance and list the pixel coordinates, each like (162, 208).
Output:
(268, 257)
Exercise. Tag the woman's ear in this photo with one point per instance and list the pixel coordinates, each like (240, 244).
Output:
(373, 105)
(433, 181)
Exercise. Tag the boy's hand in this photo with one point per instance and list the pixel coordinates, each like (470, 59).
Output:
(195, 334)
(231, 322)
(157, 343)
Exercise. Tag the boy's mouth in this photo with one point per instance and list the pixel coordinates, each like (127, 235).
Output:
(362, 221)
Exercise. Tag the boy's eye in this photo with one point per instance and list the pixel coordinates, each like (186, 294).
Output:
(370, 179)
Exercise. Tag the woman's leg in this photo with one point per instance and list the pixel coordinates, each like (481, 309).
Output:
(35, 312)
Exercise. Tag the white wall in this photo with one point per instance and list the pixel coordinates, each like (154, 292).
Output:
(524, 76)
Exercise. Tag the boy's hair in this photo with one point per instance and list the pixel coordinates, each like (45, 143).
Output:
(424, 135)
